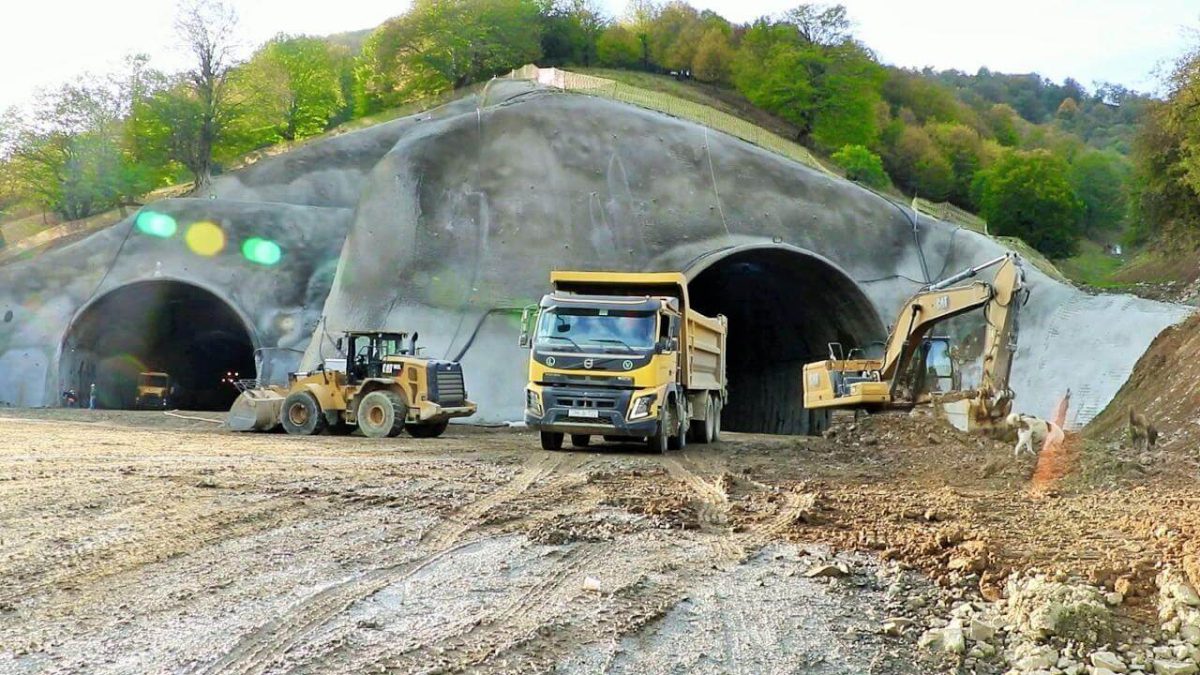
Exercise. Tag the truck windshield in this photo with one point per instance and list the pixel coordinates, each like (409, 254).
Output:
(152, 381)
(598, 329)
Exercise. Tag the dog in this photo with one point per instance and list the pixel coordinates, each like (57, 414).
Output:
(1141, 431)
(1030, 430)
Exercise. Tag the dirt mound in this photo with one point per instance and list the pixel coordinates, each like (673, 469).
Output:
(1163, 387)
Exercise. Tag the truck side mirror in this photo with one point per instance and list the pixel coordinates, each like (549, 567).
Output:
(667, 344)
(527, 316)
(338, 343)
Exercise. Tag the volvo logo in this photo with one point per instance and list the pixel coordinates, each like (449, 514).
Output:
(588, 363)
(550, 361)
(627, 364)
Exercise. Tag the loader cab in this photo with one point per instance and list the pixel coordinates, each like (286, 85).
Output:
(366, 352)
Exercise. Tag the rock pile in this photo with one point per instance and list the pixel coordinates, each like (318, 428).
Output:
(1057, 626)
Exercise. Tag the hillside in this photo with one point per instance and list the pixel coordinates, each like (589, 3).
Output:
(1042, 161)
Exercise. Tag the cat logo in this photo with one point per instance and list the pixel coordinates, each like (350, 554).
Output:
(942, 303)
(588, 363)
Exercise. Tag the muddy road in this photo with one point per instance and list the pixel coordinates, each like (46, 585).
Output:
(137, 542)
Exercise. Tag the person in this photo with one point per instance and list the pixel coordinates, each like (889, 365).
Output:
(92, 397)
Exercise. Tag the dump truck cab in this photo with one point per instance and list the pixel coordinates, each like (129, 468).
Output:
(153, 391)
(620, 355)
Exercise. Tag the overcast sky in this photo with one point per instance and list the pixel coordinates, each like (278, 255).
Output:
(48, 41)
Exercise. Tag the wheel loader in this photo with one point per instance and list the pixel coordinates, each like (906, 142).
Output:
(379, 384)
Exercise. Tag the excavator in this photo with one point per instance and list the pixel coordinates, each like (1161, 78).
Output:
(897, 381)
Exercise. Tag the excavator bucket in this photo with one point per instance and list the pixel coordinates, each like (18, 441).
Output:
(257, 410)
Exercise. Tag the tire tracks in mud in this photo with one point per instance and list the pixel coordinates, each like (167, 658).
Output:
(175, 537)
(261, 649)
(713, 510)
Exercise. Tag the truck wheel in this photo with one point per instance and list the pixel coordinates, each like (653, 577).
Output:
(381, 414)
(551, 440)
(580, 440)
(302, 414)
(716, 418)
(427, 430)
(657, 443)
(678, 442)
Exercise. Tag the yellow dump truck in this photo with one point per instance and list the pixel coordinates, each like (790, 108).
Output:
(153, 391)
(623, 356)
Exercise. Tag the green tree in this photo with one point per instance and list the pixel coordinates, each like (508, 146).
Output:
(831, 92)
(861, 165)
(848, 102)
(918, 166)
(292, 86)
(639, 19)
(68, 154)
(1101, 180)
(826, 25)
(444, 44)
(206, 29)
(714, 57)
(674, 34)
(1028, 195)
(1002, 121)
(618, 48)
(570, 31)
(963, 148)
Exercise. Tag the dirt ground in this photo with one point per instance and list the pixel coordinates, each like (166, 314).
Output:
(138, 542)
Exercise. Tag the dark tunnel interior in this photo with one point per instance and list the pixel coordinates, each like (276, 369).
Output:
(158, 326)
(784, 307)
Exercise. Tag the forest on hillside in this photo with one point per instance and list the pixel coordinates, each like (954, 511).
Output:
(1052, 163)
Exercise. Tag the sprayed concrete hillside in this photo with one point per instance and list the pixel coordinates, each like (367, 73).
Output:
(447, 222)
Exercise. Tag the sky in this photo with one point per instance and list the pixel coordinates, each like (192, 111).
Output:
(46, 42)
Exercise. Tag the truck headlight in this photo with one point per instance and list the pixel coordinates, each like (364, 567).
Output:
(641, 406)
(533, 402)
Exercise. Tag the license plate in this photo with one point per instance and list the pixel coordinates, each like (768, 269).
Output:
(584, 412)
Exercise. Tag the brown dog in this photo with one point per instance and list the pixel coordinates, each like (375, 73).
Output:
(1141, 431)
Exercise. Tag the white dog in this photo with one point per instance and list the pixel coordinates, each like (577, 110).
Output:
(1030, 430)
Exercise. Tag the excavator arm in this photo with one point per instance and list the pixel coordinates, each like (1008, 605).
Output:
(842, 383)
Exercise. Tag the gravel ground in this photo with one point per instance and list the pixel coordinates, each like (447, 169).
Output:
(139, 542)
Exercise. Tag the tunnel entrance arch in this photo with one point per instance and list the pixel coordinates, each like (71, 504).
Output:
(784, 306)
(158, 326)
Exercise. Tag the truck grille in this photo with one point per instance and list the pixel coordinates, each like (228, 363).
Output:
(447, 384)
(599, 404)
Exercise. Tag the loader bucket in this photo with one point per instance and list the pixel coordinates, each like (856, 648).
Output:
(256, 410)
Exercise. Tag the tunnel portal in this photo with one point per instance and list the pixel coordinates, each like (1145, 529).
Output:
(158, 326)
(784, 306)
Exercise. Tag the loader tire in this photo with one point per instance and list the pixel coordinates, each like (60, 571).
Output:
(302, 415)
(381, 414)
(427, 430)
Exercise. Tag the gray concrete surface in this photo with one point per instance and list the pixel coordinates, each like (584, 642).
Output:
(452, 220)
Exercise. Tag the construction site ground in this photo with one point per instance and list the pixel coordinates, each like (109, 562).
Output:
(138, 542)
